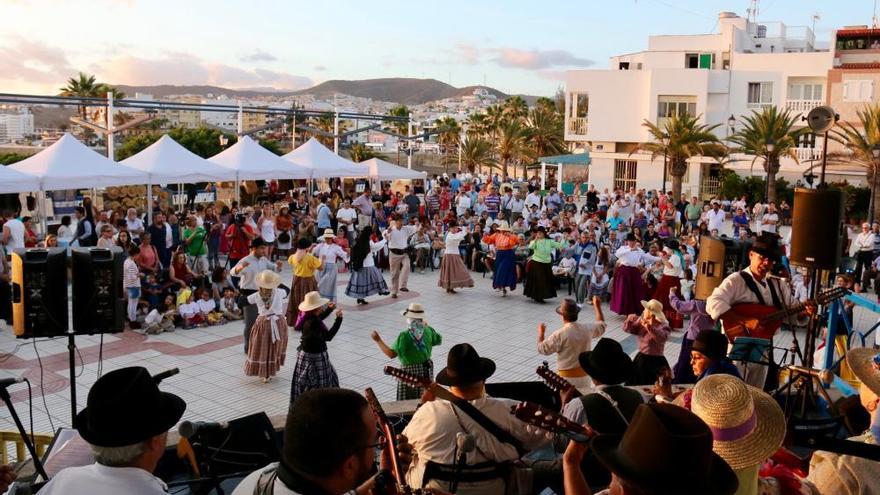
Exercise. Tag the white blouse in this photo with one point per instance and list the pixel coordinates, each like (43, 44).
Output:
(629, 257)
(674, 270)
(375, 247)
(453, 240)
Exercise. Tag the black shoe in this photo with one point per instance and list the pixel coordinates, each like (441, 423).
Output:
(384, 293)
(404, 289)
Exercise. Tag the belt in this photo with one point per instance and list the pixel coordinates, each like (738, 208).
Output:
(572, 373)
(398, 251)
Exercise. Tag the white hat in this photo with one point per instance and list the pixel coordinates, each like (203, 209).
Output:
(503, 226)
(655, 307)
(313, 300)
(328, 233)
(414, 310)
(268, 279)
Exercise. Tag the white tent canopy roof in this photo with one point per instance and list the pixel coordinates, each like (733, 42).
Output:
(166, 161)
(323, 162)
(69, 164)
(382, 170)
(16, 182)
(250, 161)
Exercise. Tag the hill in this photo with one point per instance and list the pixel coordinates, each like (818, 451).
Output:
(408, 91)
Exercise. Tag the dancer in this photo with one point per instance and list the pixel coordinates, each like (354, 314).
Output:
(268, 340)
(628, 288)
(505, 242)
(453, 273)
(366, 280)
(329, 252)
(652, 329)
(413, 347)
(313, 368)
(304, 265)
(673, 270)
(540, 284)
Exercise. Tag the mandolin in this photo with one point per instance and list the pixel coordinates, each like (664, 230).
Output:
(763, 321)
(555, 381)
(551, 422)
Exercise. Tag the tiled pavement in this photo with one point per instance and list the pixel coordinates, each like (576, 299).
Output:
(211, 360)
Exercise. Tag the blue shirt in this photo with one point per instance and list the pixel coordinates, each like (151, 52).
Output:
(454, 184)
(324, 217)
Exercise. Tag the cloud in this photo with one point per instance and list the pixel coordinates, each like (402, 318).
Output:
(34, 62)
(537, 59)
(258, 56)
(185, 69)
(319, 68)
(466, 53)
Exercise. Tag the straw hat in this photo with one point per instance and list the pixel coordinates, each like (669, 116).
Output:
(503, 226)
(655, 307)
(862, 362)
(328, 233)
(414, 310)
(268, 279)
(747, 425)
(313, 300)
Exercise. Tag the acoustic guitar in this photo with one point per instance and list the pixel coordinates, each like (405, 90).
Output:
(551, 422)
(555, 381)
(420, 382)
(765, 320)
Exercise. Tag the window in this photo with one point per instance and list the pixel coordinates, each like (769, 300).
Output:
(670, 106)
(858, 90)
(625, 174)
(802, 91)
(699, 60)
(806, 141)
(623, 66)
(760, 94)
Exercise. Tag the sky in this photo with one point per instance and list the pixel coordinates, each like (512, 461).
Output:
(514, 46)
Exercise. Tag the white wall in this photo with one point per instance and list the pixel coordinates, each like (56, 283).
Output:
(618, 102)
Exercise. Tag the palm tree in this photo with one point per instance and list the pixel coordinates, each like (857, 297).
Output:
(359, 152)
(511, 145)
(448, 137)
(478, 125)
(681, 137)
(401, 127)
(769, 134)
(104, 88)
(860, 142)
(83, 86)
(515, 107)
(545, 131)
(476, 153)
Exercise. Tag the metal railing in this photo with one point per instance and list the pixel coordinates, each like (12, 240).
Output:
(808, 154)
(710, 186)
(802, 106)
(577, 126)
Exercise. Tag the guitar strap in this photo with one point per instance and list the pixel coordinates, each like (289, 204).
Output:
(499, 433)
(753, 286)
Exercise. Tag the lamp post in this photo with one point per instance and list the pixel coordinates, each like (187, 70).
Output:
(731, 125)
(665, 138)
(875, 151)
(223, 141)
(770, 145)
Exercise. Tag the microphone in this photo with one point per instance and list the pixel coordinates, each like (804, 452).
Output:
(165, 374)
(464, 443)
(824, 376)
(189, 429)
(10, 381)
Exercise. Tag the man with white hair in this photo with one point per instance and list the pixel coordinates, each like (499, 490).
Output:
(133, 224)
(864, 246)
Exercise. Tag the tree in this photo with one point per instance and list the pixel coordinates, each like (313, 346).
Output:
(680, 138)
(10, 158)
(271, 145)
(202, 141)
(448, 137)
(135, 144)
(359, 152)
(768, 134)
(476, 153)
(545, 130)
(515, 107)
(84, 85)
(860, 141)
(400, 126)
(511, 146)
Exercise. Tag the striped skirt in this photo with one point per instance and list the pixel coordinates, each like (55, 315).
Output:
(327, 281)
(424, 370)
(266, 354)
(365, 282)
(312, 371)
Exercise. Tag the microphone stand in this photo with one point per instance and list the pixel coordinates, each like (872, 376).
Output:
(38, 464)
(456, 472)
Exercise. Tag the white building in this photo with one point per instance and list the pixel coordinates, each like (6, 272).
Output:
(15, 124)
(744, 66)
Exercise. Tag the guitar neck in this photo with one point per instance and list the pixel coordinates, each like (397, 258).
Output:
(417, 381)
(388, 431)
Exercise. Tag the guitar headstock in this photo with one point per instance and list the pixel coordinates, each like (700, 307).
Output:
(551, 422)
(832, 294)
(375, 406)
(552, 379)
(408, 378)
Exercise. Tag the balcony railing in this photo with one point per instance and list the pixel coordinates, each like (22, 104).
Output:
(577, 126)
(710, 186)
(808, 154)
(755, 106)
(803, 106)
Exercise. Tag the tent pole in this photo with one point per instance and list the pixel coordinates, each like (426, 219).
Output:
(237, 190)
(43, 224)
(150, 202)
(559, 177)
(410, 142)
(543, 175)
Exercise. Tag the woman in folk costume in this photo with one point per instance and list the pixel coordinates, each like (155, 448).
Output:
(413, 347)
(366, 280)
(505, 242)
(673, 271)
(540, 283)
(652, 330)
(267, 347)
(328, 252)
(304, 266)
(453, 273)
(628, 288)
(313, 369)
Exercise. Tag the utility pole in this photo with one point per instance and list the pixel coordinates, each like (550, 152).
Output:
(110, 138)
(336, 131)
(240, 119)
(410, 143)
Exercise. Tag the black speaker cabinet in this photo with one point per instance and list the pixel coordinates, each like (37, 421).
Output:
(817, 229)
(98, 300)
(39, 292)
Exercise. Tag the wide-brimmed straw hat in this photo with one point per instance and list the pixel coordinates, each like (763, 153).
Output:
(465, 367)
(267, 279)
(313, 300)
(655, 307)
(503, 226)
(863, 362)
(328, 233)
(747, 424)
(414, 310)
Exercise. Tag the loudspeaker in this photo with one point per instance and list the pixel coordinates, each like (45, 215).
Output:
(98, 300)
(817, 229)
(719, 257)
(39, 292)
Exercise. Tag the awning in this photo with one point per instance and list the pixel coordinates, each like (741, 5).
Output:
(166, 161)
(322, 162)
(382, 170)
(570, 159)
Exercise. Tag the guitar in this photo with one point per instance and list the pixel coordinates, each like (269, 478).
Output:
(420, 382)
(556, 382)
(763, 321)
(390, 439)
(551, 422)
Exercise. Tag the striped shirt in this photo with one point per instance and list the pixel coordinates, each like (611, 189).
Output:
(493, 203)
(130, 274)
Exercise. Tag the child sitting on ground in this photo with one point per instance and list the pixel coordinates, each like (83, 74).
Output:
(152, 291)
(208, 308)
(229, 305)
(157, 322)
(566, 265)
(189, 310)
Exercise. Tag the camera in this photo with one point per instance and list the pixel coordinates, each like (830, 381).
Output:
(239, 219)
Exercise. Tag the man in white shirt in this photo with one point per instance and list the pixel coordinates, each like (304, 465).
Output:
(13, 232)
(133, 224)
(347, 216)
(533, 198)
(398, 236)
(126, 422)
(715, 216)
(248, 268)
(462, 203)
(770, 219)
(569, 341)
(864, 247)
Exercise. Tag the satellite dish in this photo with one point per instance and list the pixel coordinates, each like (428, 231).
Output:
(821, 119)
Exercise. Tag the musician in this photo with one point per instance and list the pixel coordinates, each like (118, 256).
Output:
(754, 285)
(433, 428)
(330, 442)
(126, 421)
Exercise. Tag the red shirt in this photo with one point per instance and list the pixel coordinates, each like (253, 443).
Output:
(239, 244)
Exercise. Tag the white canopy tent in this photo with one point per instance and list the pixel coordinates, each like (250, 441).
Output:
(166, 161)
(322, 162)
(17, 182)
(382, 170)
(250, 161)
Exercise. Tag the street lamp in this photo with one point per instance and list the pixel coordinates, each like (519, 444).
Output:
(665, 139)
(876, 152)
(223, 140)
(770, 145)
(731, 124)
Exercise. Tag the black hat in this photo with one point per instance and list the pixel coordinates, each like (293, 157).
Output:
(767, 244)
(465, 367)
(607, 362)
(712, 344)
(257, 242)
(672, 244)
(125, 407)
(630, 237)
(660, 439)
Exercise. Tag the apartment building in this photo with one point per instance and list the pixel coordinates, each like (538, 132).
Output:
(743, 67)
(15, 124)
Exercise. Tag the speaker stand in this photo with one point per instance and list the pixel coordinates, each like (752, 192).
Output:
(71, 362)
(38, 464)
